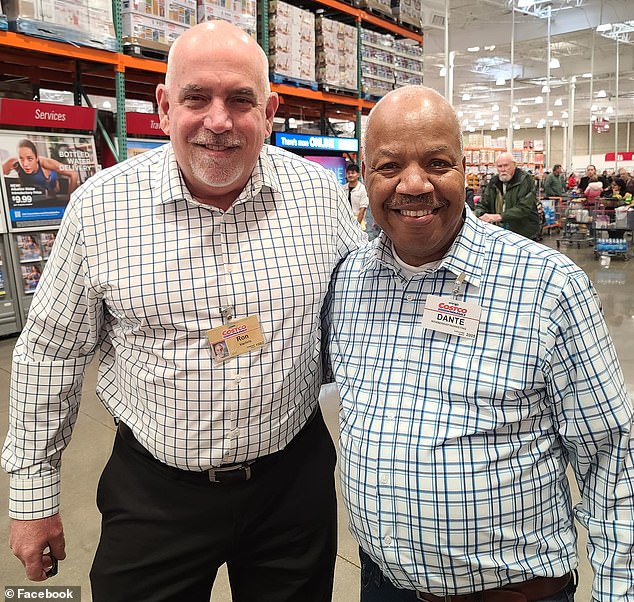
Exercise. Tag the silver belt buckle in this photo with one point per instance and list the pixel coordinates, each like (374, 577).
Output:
(213, 472)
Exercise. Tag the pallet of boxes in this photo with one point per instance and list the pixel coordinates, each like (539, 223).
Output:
(150, 27)
(84, 22)
(336, 54)
(291, 45)
(242, 13)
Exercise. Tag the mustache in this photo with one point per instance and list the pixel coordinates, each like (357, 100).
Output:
(213, 140)
(402, 200)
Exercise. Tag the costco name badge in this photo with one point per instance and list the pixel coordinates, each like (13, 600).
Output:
(459, 318)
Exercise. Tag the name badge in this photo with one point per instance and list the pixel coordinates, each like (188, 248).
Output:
(459, 318)
(235, 338)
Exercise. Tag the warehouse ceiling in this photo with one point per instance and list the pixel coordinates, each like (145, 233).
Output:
(591, 40)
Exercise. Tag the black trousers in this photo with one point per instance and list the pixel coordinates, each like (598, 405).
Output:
(163, 538)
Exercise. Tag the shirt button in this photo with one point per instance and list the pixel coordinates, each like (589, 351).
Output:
(238, 378)
(234, 433)
(390, 415)
(228, 269)
(399, 356)
(387, 541)
(384, 479)
(409, 298)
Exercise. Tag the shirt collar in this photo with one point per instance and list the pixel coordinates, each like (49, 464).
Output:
(465, 256)
(172, 185)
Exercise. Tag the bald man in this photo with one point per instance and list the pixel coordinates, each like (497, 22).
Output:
(474, 366)
(210, 239)
(509, 199)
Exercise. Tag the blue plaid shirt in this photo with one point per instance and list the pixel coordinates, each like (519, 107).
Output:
(453, 450)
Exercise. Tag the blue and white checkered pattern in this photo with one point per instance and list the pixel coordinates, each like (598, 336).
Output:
(454, 451)
(140, 271)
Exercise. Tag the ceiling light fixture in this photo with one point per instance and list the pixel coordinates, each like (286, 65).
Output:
(602, 94)
(604, 27)
(545, 89)
(549, 114)
(564, 114)
(527, 120)
(443, 72)
(495, 107)
(514, 109)
(500, 81)
(587, 75)
(473, 49)
(554, 63)
(559, 102)
(539, 100)
(609, 110)
(466, 96)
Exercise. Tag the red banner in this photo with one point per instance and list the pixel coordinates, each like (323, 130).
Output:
(621, 156)
(29, 113)
(143, 124)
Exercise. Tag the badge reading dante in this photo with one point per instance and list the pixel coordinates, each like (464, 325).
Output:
(235, 338)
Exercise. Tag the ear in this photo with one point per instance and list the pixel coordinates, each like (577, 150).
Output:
(272, 104)
(163, 108)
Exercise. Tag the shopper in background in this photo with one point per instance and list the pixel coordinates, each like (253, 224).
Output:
(591, 172)
(592, 191)
(473, 366)
(357, 196)
(157, 256)
(571, 182)
(554, 183)
(509, 199)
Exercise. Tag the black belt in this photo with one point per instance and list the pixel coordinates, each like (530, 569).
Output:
(533, 590)
(227, 473)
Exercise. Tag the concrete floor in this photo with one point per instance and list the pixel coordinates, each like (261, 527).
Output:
(94, 432)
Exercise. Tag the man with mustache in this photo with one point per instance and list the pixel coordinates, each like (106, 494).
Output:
(474, 365)
(211, 237)
(509, 199)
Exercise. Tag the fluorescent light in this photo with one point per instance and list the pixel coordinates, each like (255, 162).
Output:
(545, 89)
(559, 102)
(539, 100)
(549, 114)
(466, 96)
(516, 126)
(514, 109)
(602, 94)
(473, 49)
(564, 114)
(609, 110)
(556, 122)
(554, 63)
(490, 48)
(495, 107)
(594, 108)
(527, 120)
(604, 27)
(442, 72)
(587, 75)
(500, 81)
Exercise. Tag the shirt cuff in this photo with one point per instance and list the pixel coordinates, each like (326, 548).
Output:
(34, 498)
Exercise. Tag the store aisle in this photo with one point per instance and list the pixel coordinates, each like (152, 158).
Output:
(94, 432)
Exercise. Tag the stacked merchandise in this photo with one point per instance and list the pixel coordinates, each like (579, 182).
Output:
(408, 11)
(156, 24)
(408, 63)
(336, 51)
(377, 63)
(381, 6)
(239, 12)
(85, 22)
(291, 42)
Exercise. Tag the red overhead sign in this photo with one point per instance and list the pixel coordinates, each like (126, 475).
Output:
(46, 115)
(143, 124)
(623, 156)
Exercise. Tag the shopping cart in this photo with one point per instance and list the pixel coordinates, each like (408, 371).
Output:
(576, 224)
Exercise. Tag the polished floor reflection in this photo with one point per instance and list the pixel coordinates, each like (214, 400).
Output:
(91, 444)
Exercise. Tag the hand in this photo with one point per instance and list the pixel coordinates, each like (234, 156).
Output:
(29, 540)
(491, 218)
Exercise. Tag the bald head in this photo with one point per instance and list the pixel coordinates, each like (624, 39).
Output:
(216, 38)
(413, 103)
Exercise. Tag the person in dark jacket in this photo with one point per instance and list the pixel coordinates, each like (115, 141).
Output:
(509, 199)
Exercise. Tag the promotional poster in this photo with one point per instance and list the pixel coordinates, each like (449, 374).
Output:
(39, 173)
